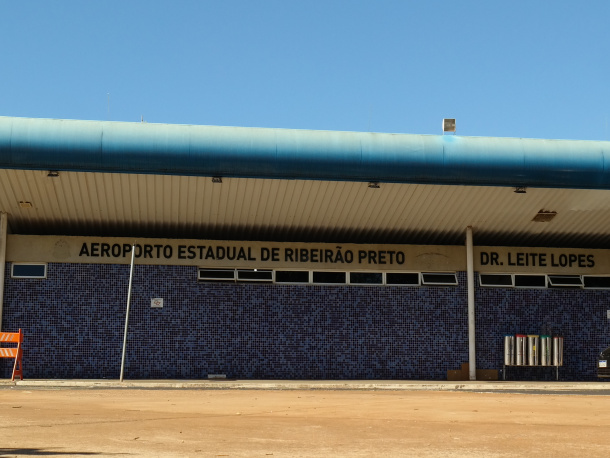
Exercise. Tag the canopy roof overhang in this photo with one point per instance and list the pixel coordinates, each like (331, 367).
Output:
(150, 180)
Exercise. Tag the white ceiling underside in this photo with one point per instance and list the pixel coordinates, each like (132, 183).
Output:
(113, 204)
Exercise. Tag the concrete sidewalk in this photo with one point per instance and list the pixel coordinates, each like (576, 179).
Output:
(370, 385)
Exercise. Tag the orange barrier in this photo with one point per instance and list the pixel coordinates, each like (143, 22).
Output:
(15, 352)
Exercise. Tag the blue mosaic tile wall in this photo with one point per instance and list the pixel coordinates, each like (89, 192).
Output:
(580, 316)
(74, 323)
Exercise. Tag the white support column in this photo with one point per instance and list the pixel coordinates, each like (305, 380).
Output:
(472, 356)
(3, 228)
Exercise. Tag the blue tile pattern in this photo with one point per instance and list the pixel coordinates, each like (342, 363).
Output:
(74, 321)
(577, 315)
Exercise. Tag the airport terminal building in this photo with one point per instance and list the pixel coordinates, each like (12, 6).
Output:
(294, 254)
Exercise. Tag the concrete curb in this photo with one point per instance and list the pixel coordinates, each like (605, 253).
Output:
(313, 385)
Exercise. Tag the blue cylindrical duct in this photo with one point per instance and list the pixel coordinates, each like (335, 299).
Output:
(97, 146)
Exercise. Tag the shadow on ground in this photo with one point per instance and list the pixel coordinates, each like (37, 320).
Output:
(47, 452)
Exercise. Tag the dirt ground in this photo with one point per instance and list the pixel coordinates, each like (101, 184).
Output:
(244, 423)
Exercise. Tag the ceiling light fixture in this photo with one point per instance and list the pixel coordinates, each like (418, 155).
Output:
(520, 190)
(374, 184)
(216, 179)
(53, 173)
(544, 216)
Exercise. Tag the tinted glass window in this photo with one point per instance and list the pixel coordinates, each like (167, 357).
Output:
(255, 275)
(530, 281)
(29, 270)
(291, 276)
(597, 282)
(329, 277)
(438, 279)
(216, 274)
(366, 278)
(496, 279)
(565, 280)
(394, 278)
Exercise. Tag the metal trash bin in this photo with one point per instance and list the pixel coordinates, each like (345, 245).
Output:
(532, 349)
(603, 364)
(546, 350)
(557, 351)
(509, 350)
(520, 349)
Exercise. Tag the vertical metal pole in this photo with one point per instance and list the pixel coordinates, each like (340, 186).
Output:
(472, 357)
(3, 226)
(133, 253)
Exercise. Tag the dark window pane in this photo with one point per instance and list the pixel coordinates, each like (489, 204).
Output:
(597, 282)
(565, 280)
(329, 277)
(530, 281)
(291, 276)
(394, 278)
(216, 274)
(29, 270)
(496, 280)
(364, 278)
(255, 275)
(438, 279)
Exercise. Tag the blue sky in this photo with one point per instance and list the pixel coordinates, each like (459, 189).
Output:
(509, 69)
